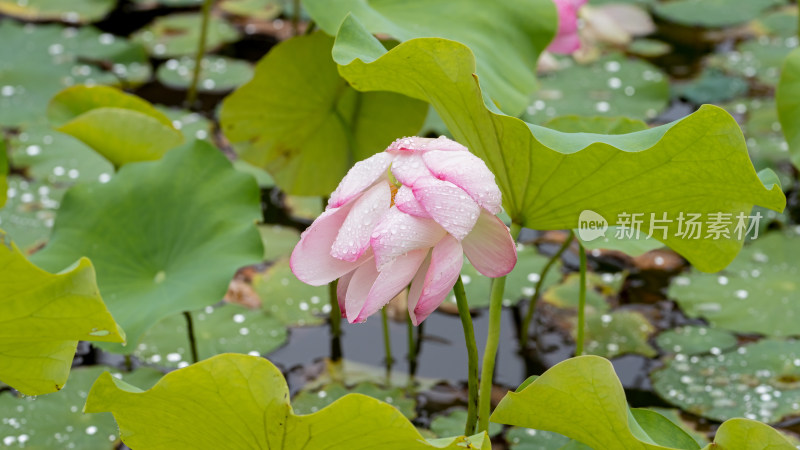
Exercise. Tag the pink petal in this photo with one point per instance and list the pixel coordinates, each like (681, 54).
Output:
(468, 172)
(341, 291)
(490, 247)
(448, 204)
(398, 233)
(407, 168)
(418, 144)
(417, 284)
(567, 39)
(354, 234)
(393, 279)
(361, 176)
(405, 202)
(357, 290)
(445, 267)
(311, 260)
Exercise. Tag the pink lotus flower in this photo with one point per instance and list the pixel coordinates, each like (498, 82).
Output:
(567, 39)
(407, 215)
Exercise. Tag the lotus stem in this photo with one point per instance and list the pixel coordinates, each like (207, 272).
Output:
(412, 349)
(190, 332)
(335, 322)
(581, 302)
(191, 94)
(526, 323)
(472, 357)
(387, 343)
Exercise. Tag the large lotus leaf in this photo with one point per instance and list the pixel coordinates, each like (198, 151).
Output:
(288, 299)
(506, 38)
(241, 401)
(44, 317)
(300, 120)
(30, 211)
(217, 73)
(56, 158)
(745, 434)
(178, 34)
(311, 401)
(121, 127)
(227, 329)
(712, 13)
(586, 402)
(166, 236)
(38, 61)
(71, 11)
(611, 86)
(787, 97)
(696, 339)
(759, 381)
(674, 416)
(698, 164)
(58, 422)
(758, 293)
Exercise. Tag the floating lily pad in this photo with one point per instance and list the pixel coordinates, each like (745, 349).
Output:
(304, 207)
(612, 86)
(38, 61)
(782, 22)
(278, 241)
(762, 129)
(674, 416)
(29, 212)
(226, 329)
(217, 74)
(299, 120)
(3, 173)
(168, 3)
(452, 424)
(73, 11)
(57, 420)
(758, 292)
(178, 34)
(156, 234)
(289, 299)
(56, 158)
(530, 439)
(696, 339)
(44, 317)
(649, 48)
(191, 124)
(712, 86)
(617, 333)
(760, 381)
(759, 59)
(598, 125)
(241, 401)
(712, 13)
(520, 283)
(307, 402)
(353, 373)
(565, 294)
(253, 9)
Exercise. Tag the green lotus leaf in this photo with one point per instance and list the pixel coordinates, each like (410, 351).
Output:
(530, 439)
(698, 164)
(29, 214)
(745, 434)
(279, 241)
(586, 402)
(227, 329)
(453, 421)
(178, 34)
(288, 299)
(758, 59)
(696, 339)
(37, 61)
(121, 127)
(3, 173)
(782, 22)
(217, 74)
(241, 401)
(712, 86)
(193, 125)
(617, 333)
(758, 293)
(44, 317)
(311, 401)
(300, 120)
(596, 124)
(611, 86)
(57, 421)
(506, 38)
(253, 9)
(165, 236)
(674, 416)
(712, 13)
(757, 381)
(168, 3)
(74, 11)
(787, 97)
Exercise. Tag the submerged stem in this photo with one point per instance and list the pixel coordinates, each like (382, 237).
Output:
(581, 302)
(335, 323)
(387, 342)
(492, 341)
(190, 332)
(191, 94)
(472, 357)
(412, 349)
(526, 323)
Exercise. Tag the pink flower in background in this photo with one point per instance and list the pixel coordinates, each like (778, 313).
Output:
(380, 233)
(567, 40)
